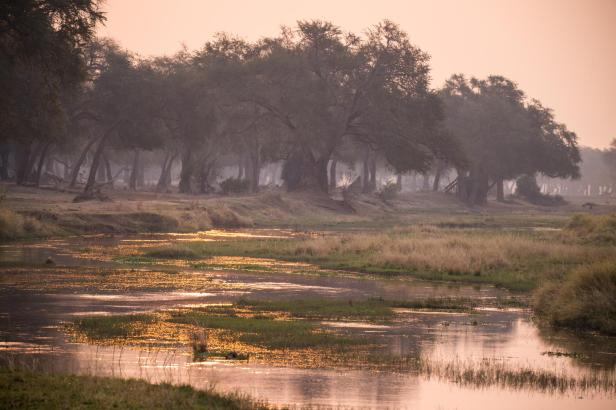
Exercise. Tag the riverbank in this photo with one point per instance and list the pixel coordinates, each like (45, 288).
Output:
(20, 389)
(27, 213)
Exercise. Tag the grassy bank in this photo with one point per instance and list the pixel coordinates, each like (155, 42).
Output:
(517, 260)
(40, 390)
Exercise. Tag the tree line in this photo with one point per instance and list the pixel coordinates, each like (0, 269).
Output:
(311, 97)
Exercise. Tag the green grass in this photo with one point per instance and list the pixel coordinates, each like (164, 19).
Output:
(172, 252)
(369, 309)
(107, 327)
(267, 332)
(40, 390)
(268, 324)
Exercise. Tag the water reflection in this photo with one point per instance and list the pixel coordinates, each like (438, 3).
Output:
(312, 387)
(36, 301)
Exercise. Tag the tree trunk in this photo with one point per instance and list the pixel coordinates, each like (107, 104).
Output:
(500, 191)
(187, 172)
(255, 163)
(462, 186)
(303, 172)
(41, 162)
(4, 167)
(373, 173)
(164, 181)
(100, 174)
(97, 159)
(22, 163)
(80, 160)
(332, 174)
(95, 164)
(241, 167)
(132, 182)
(141, 174)
(109, 175)
(365, 175)
(437, 179)
(66, 172)
(426, 182)
(205, 174)
(479, 187)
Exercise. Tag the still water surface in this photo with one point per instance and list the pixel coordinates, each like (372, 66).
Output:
(34, 306)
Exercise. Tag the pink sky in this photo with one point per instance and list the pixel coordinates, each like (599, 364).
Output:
(562, 52)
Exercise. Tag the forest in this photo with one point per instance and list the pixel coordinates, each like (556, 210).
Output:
(83, 112)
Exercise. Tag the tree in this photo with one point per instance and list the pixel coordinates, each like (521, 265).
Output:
(125, 106)
(327, 88)
(503, 136)
(40, 58)
(610, 157)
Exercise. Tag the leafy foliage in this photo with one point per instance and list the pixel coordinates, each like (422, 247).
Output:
(234, 186)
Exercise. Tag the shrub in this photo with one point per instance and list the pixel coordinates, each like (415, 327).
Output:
(14, 226)
(234, 186)
(600, 229)
(586, 300)
(528, 189)
(11, 225)
(223, 217)
(389, 191)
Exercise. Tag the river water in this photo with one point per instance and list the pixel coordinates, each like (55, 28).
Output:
(37, 299)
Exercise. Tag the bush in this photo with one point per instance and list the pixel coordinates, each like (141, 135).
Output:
(586, 300)
(528, 189)
(17, 226)
(234, 186)
(599, 229)
(11, 225)
(223, 217)
(389, 191)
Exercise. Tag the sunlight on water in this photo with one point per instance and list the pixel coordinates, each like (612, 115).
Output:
(419, 358)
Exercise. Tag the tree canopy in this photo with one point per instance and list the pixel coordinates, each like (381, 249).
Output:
(308, 97)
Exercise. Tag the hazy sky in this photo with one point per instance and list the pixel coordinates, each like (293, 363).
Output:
(562, 52)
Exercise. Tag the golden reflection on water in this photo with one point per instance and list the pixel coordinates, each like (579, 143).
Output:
(45, 279)
(176, 275)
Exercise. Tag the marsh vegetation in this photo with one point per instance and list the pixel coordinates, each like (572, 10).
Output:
(303, 217)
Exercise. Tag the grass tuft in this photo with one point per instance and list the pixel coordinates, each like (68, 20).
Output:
(585, 300)
(598, 229)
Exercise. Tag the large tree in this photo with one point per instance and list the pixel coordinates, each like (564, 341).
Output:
(41, 43)
(125, 107)
(328, 88)
(503, 136)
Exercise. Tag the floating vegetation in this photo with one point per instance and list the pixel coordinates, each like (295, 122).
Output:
(574, 355)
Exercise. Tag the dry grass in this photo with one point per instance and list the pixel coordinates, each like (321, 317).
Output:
(598, 229)
(462, 252)
(585, 299)
(16, 226)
